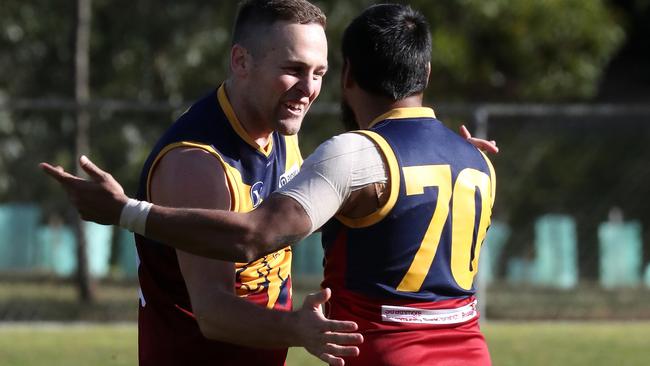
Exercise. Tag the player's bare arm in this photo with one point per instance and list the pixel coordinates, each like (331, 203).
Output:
(249, 235)
(220, 314)
(278, 221)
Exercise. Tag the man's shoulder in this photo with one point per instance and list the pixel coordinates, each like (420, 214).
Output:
(202, 110)
(188, 166)
(203, 123)
(347, 142)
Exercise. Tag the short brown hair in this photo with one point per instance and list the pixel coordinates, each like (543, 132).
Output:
(255, 13)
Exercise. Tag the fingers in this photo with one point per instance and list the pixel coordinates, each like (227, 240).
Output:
(54, 172)
(341, 351)
(493, 147)
(91, 169)
(331, 360)
(487, 146)
(343, 339)
(340, 326)
(332, 353)
(317, 299)
(58, 173)
(340, 345)
(465, 132)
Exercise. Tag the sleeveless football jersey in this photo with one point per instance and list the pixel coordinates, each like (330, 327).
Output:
(168, 332)
(405, 273)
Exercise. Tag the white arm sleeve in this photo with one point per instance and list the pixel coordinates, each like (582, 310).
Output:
(338, 167)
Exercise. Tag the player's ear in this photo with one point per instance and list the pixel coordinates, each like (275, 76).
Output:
(240, 60)
(347, 81)
(428, 73)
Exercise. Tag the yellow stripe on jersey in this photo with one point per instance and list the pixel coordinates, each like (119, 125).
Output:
(493, 179)
(394, 184)
(233, 176)
(294, 158)
(236, 125)
(409, 112)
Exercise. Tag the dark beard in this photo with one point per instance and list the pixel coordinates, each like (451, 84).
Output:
(347, 117)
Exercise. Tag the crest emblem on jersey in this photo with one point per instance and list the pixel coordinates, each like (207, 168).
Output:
(288, 175)
(256, 193)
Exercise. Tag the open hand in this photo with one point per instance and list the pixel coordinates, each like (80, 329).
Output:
(99, 199)
(487, 146)
(326, 339)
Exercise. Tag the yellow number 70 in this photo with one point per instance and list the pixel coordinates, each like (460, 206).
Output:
(463, 264)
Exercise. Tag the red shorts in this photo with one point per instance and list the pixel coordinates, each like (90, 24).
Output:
(388, 343)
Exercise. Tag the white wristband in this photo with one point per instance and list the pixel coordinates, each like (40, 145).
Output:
(134, 215)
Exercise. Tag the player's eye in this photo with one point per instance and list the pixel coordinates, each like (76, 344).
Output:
(294, 71)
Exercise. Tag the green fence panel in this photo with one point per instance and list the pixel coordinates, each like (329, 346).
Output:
(519, 271)
(18, 223)
(491, 250)
(57, 248)
(556, 262)
(308, 256)
(98, 241)
(620, 254)
(127, 258)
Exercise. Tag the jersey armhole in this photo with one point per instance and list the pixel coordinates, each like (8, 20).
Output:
(233, 187)
(393, 178)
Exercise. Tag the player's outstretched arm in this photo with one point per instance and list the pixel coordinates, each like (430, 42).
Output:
(279, 221)
(224, 235)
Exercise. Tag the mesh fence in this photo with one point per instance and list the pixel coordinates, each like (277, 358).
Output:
(570, 228)
(570, 235)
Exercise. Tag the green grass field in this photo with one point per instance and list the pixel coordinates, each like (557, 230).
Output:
(511, 343)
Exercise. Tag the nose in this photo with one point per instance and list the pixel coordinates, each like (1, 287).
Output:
(309, 86)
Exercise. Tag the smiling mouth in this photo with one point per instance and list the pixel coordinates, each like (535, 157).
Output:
(295, 108)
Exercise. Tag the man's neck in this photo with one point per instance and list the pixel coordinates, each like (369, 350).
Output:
(251, 124)
(374, 107)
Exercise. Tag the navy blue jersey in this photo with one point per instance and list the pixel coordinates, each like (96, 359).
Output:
(167, 327)
(423, 245)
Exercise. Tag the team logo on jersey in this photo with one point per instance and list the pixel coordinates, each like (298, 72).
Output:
(288, 175)
(256, 193)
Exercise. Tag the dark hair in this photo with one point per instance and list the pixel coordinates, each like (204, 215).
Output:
(255, 13)
(388, 48)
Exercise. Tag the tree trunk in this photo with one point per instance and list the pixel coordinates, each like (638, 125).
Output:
(82, 96)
